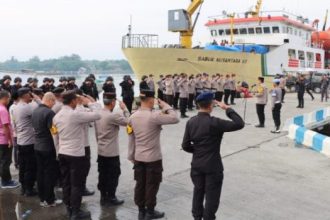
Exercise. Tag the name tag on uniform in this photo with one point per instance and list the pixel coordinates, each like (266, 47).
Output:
(274, 94)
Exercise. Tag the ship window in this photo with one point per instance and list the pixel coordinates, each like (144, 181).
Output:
(228, 32)
(276, 30)
(221, 32)
(243, 31)
(251, 30)
(259, 30)
(292, 54)
(285, 30)
(310, 56)
(301, 55)
(290, 30)
(267, 30)
(213, 33)
(318, 57)
(235, 31)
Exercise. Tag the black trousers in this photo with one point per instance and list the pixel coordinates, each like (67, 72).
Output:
(232, 96)
(191, 101)
(183, 105)
(129, 103)
(169, 99)
(324, 94)
(277, 115)
(208, 186)
(46, 175)
(261, 113)
(73, 171)
(5, 161)
(109, 172)
(227, 95)
(308, 90)
(148, 177)
(301, 99)
(197, 94)
(27, 167)
(15, 151)
(88, 164)
(218, 96)
(160, 94)
(283, 94)
(176, 100)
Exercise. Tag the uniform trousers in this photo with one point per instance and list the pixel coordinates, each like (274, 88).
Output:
(227, 95)
(148, 177)
(218, 96)
(183, 105)
(73, 171)
(324, 94)
(169, 99)
(46, 175)
(128, 102)
(283, 95)
(277, 115)
(206, 185)
(232, 96)
(301, 99)
(160, 94)
(15, 151)
(88, 164)
(261, 113)
(308, 90)
(27, 166)
(191, 101)
(109, 172)
(176, 100)
(5, 161)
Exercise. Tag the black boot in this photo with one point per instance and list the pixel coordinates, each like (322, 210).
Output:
(104, 200)
(153, 214)
(79, 214)
(69, 211)
(142, 213)
(88, 192)
(114, 201)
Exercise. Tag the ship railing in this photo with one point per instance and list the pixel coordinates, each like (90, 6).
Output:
(140, 41)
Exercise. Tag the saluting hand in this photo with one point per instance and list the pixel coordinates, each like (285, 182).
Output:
(84, 100)
(222, 105)
(161, 103)
(122, 105)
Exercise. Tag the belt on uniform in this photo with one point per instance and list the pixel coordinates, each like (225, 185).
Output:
(277, 102)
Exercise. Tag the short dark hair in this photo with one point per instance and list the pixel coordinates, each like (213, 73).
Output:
(4, 94)
(108, 101)
(204, 104)
(262, 79)
(68, 97)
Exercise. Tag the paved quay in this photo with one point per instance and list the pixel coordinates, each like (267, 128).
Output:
(267, 177)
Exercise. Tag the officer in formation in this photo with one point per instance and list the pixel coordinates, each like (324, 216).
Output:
(262, 99)
(144, 130)
(184, 94)
(276, 105)
(107, 129)
(202, 138)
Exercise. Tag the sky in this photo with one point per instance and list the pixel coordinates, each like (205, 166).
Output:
(94, 28)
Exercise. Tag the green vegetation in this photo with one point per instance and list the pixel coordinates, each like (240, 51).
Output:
(65, 63)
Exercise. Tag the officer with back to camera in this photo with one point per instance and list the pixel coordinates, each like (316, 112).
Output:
(202, 138)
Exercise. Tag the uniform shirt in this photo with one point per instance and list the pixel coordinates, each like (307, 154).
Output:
(183, 88)
(214, 85)
(107, 130)
(144, 141)
(23, 123)
(57, 107)
(262, 94)
(12, 121)
(4, 120)
(199, 85)
(206, 85)
(191, 86)
(85, 137)
(232, 84)
(42, 122)
(161, 85)
(175, 85)
(276, 94)
(69, 124)
(282, 83)
(220, 85)
(169, 87)
(203, 136)
(227, 84)
(151, 85)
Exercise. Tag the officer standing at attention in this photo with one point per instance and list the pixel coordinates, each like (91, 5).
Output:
(108, 148)
(276, 94)
(69, 124)
(144, 151)
(202, 138)
(262, 99)
(184, 94)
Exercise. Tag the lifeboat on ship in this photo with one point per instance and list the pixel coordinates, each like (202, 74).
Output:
(322, 38)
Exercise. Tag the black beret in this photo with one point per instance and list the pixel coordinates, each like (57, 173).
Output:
(205, 97)
(5, 77)
(38, 91)
(17, 79)
(89, 79)
(35, 80)
(46, 79)
(147, 93)
(69, 96)
(71, 78)
(29, 80)
(109, 95)
(63, 78)
(23, 91)
(58, 90)
(109, 78)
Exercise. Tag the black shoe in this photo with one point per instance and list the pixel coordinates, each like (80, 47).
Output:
(115, 201)
(260, 126)
(184, 116)
(233, 104)
(154, 215)
(79, 214)
(68, 211)
(298, 107)
(88, 192)
(104, 200)
(198, 218)
(31, 193)
(142, 214)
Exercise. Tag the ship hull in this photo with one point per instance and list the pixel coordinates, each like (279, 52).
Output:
(157, 61)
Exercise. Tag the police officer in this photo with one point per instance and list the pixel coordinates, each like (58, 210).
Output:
(301, 88)
(192, 91)
(169, 90)
(46, 85)
(63, 82)
(108, 86)
(144, 130)
(232, 89)
(184, 95)
(206, 83)
(71, 85)
(276, 94)
(108, 148)
(262, 99)
(176, 91)
(161, 87)
(202, 138)
(227, 88)
(151, 83)
(69, 124)
(59, 101)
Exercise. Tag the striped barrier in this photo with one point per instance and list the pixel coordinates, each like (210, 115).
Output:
(309, 119)
(309, 138)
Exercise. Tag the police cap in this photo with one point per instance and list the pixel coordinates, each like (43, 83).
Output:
(205, 97)
(23, 91)
(58, 90)
(38, 91)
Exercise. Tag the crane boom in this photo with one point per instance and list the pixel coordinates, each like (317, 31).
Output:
(193, 6)
(258, 8)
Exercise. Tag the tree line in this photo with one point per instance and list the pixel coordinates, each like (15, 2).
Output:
(65, 63)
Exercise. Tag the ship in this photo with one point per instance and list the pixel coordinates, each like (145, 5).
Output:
(250, 44)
